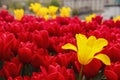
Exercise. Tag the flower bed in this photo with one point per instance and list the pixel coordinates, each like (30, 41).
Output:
(33, 48)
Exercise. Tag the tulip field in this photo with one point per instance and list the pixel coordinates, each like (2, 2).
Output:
(51, 45)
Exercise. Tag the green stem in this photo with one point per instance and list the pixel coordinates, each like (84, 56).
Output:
(81, 71)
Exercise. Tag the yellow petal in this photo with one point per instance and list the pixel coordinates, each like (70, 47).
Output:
(35, 7)
(104, 58)
(54, 16)
(99, 45)
(46, 17)
(19, 13)
(81, 40)
(88, 19)
(84, 56)
(65, 12)
(69, 46)
(93, 15)
(91, 41)
(52, 10)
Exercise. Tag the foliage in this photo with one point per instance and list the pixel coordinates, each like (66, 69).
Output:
(75, 12)
(55, 3)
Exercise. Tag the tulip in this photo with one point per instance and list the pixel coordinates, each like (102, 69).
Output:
(64, 59)
(65, 12)
(54, 73)
(112, 72)
(98, 19)
(12, 68)
(109, 23)
(19, 13)
(25, 52)
(43, 12)
(35, 7)
(7, 44)
(41, 38)
(90, 17)
(116, 18)
(87, 48)
(52, 11)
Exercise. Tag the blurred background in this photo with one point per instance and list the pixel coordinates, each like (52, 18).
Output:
(82, 8)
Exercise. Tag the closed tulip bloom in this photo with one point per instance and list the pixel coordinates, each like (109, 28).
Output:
(43, 12)
(65, 12)
(52, 11)
(35, 7)
(19, 13)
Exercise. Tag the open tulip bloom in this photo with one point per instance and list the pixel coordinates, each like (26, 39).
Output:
(87, 48)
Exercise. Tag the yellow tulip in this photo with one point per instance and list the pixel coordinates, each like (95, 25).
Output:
(116, 18)
(19, 13)
(87, 48)
(89, 18)
(35, 7)
(52, 11)
(46, 17)
(42, 11)
(53, 16)
(65, 12)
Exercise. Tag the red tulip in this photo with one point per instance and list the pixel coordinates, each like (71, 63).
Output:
(52, 27)
(54, 73)
(41, 38)
(7, 44)
(25, 52)
(65, 59)
(117, 23)
(24, 36)
(90, 70)
(19, 78)
(112, 72)
(109, 23)
(113, 50)
(6, 16)
(41, 60)
(12, 69)
(98, 19)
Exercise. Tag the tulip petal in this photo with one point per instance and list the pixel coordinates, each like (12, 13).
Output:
(99, 44)
(81, 40)
(91, 41)
(19, 13)
(111, 75)
(69, 46)
(104, 58)
(84, 56)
